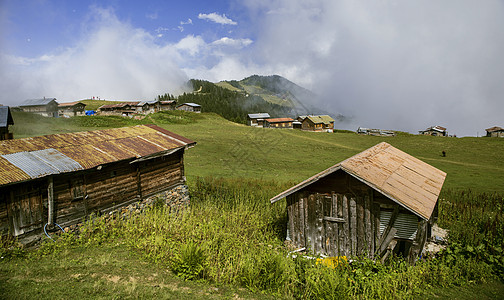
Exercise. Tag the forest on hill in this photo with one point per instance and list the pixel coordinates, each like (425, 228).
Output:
(235, 99)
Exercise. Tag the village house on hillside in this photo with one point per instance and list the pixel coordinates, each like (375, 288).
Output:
(71, 109)
(136, 107)
(167, 105)
(317, 123)
(257, 119)
(5, 121)
(278, 123)
(495, 132)
(375, 132)
(434, 131)
(47, 107)
(62, 178)
(378, 202)
(193, 107)
(122, 108)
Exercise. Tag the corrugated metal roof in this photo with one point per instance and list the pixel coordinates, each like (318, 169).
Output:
(42, 162)
(34, 157)
(259, 116)
(5, 116)
(34, 102)
(401, 177)
(190, 104)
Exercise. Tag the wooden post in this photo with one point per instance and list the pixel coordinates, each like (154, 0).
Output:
(50, 201)
(344, 233)
(353, 226)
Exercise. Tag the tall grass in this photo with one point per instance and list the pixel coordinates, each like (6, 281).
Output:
(232, 235)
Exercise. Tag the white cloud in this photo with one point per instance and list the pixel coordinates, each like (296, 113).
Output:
(392, 64)
(152, 16)
(214, 17)
(191, 44)
(113, 61)
(188, 22)
(236, 43)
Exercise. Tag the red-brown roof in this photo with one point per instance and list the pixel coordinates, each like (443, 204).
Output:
(279, 120)
(119, 105)
(90, 148)
(399, 176)
(495, 128)
(67, 104)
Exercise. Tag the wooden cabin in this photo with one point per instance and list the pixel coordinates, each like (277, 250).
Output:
(379, 201)
(120, 109)
(192, 107)
(167, 105)
(71, 109)
(495, 132)
(317, 123)
(434, 131)
(375, 132)
(278, 123)
(62, 178)
(257, 120)
(47, 107)
(5, 121)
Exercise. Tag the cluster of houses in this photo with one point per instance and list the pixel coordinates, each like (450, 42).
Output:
(49, 107)
(320, 123)
(370, 204)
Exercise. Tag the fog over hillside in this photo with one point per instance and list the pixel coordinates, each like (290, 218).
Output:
(403, 65)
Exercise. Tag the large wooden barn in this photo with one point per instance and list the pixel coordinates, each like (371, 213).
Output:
(379, 201)
(62, 178)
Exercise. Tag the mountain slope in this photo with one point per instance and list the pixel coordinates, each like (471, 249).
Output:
(275, 89)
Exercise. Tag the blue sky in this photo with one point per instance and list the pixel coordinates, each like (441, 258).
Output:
(403, 65)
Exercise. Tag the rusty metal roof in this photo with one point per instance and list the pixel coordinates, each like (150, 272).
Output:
(279, 120)
(495, 128)
(67, 104)
(408, 181)
(22, 159)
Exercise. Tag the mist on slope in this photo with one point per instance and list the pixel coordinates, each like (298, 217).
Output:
(403, 65)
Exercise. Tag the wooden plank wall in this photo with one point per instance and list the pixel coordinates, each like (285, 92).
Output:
(334, 224)
(23, 207)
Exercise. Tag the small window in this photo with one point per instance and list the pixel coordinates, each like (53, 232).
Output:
(77, 189)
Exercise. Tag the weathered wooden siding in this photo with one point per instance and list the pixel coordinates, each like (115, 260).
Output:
(24, 206)
(160, 173)
(334, 224)
(21, 209)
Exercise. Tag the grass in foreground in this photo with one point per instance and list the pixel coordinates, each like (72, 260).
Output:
(233, 237)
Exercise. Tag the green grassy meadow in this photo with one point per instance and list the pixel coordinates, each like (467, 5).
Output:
(231, 242)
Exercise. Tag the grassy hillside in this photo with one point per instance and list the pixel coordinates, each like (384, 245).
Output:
(231, 241)
(227, 149)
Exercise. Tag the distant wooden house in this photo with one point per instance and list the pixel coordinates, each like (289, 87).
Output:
(375, 132)
(257, 119)
(167, 105)
(495, 132)
(121, 108)
(278, 123)
(379, 201)
(193, 107)
(71, 109)
(434, 131)
(62, 178)
(318, 123)
(47, 107)
(5, 121)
